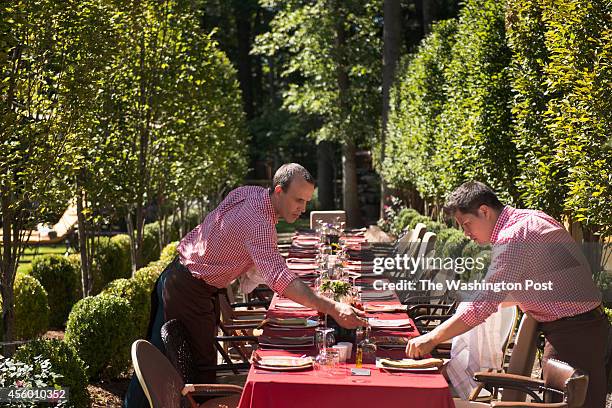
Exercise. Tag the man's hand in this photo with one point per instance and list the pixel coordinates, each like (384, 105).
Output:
(419, 347)
(347, 316)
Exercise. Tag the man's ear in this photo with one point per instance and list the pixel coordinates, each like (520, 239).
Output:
(278, 189)
(486, 211)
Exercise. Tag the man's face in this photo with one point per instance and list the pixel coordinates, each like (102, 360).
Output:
(292, 203)
(479, 226)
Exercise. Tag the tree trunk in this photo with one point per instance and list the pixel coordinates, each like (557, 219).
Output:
(130, 228)
(85, 261)
(8, 274)
(325, 175)
(349, 185)
(392, 37)
(243, 34)
(349, 165)
(425, 12)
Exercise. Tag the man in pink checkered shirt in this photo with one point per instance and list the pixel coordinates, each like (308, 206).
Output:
(238, 235)
(530, 246)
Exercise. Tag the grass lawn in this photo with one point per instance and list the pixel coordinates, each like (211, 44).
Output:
(31, 252)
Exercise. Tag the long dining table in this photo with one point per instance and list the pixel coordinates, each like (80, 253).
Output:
(308, 388)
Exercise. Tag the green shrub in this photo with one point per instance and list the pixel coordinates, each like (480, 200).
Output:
(150, 244)
(65, 362)
(403, 219)
(138, 296)
(60, 279)
(441, 238)
(454, 245)
(113, 258)
(471, 249)
(149, 274)
(15, 373)
(435, 226)
(102, 332)
(169, 252)
(31, 307)
(419, 219)
(98, 280)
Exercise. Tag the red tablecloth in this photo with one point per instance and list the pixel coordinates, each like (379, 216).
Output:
(268, 389)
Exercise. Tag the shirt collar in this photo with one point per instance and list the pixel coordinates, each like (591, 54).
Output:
(503, 218)
(268, 208)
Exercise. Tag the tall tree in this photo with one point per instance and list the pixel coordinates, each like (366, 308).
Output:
(332, 66)
(392, 40)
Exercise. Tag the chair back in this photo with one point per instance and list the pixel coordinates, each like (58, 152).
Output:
(572, 383)
(509, 316)
(178, 350)
(523, 355)
(160, 382)
(326, 217)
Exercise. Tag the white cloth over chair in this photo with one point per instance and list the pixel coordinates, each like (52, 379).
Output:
(478, 349)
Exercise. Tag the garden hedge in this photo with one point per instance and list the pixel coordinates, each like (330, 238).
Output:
(61, 279)
(101, 330)
(65, 362)
(31, 308)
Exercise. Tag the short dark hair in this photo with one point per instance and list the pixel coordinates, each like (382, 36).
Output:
(469, 196)
(285, 174)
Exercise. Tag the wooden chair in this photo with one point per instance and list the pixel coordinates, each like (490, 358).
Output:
(164, 387)
(521, 360)
(561, 382)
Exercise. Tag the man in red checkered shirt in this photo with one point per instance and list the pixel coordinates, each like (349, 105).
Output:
(238, 235)
(530, 248)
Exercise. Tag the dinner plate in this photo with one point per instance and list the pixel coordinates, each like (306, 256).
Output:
(273, 368)
(389, 324)
(306, 363)
(286, 346)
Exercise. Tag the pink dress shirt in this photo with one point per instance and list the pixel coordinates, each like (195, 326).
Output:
(530, 245)
(239, 234)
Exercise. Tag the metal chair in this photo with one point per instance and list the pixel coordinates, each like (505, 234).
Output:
(164, 387)
(178, 350)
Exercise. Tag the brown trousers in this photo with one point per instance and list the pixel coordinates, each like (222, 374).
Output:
(581, 344)
(196, 305)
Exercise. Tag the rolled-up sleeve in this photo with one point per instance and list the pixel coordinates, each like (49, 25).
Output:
(508, 263)
(261, 243)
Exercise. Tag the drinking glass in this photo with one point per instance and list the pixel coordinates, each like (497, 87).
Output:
(324, 338)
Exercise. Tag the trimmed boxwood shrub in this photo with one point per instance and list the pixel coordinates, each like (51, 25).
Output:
(169, 252)
(64, 361)
(403, 219)
(419, 219)
(113, 258)
(139, 298)
(148, 275)
(434, 226)
(61, 280)
(98, 279)
(441, 238)
(101, 330)
(454, 245)
(150, 244)
(31, 307)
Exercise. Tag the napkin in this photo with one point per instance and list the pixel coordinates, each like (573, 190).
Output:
(411, 363)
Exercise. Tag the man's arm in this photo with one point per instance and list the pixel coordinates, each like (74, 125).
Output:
(422, 345)
(345, 315)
